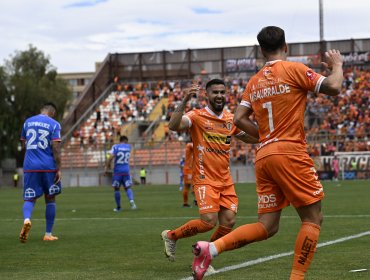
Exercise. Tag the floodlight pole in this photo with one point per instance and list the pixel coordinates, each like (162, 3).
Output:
(321, 23)
(321, 20)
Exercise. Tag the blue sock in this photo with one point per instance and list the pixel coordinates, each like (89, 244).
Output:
(130, 194)
(27, 209)
(50, 216)
(117, 197)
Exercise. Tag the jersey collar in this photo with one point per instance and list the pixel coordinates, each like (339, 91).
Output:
(269, 63)
(213, 114)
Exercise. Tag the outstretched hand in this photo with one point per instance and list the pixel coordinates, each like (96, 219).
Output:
(193, 91)
(333, 58)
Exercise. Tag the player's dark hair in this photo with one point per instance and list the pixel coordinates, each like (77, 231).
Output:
(271, 38)
(50, 106)
(123, 138)
(214, 82)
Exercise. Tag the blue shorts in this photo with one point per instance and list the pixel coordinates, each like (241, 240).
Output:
(38, 183)
(121, 180)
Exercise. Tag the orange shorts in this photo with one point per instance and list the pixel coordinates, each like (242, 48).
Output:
(187, 178)
(211, 198)
(285, 179)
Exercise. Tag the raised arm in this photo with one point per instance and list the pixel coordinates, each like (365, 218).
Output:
(242, 121)
(178, 121)
(333, 83)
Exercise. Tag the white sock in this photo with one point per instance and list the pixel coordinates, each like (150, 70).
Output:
(213, 250)
(26, 220)
(48, 233)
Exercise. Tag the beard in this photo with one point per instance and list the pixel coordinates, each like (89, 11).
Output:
(218, 107)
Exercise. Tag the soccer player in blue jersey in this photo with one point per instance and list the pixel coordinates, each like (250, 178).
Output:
(42, 175)
(121, 173)
(182, 164)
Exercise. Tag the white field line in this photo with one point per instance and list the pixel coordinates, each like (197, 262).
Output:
(277, 256)
(233, 267)
(173, 218)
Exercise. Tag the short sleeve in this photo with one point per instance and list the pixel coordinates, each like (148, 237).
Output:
(305, 77)
(56, 132)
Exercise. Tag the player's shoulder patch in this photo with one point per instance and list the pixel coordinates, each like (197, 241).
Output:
(310, 74)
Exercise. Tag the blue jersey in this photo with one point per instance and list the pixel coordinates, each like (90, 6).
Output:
(182, 164)
(121, 153)
(38, 133)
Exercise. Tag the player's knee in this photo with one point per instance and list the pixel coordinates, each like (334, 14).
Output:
(116, 188)
(210, 220)
(321, 219)
(271, 228)
(49, 198)
(230, 222)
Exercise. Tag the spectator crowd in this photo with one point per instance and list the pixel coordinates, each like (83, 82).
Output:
(340, 123)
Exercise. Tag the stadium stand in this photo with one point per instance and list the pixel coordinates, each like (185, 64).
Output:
(333, 124)
(135, 94)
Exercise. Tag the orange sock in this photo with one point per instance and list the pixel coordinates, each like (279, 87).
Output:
(305, 248)
(219, 232)
(241, 236)
(185, 194)
(191, 228)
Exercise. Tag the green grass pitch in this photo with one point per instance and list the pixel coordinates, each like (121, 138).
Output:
(97, 243)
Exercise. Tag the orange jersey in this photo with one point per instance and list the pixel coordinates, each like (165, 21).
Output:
(277, 95)
(188, 158)
(211, 135)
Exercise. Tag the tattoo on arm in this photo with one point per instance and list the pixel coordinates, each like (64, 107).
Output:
(246, 138)
(175, 121)
(180, 108)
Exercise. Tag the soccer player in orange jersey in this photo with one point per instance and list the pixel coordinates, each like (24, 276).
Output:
(188, 170)
(211, 129)
(285, 174)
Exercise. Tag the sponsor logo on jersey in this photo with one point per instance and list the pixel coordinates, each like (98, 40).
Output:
(310, 75)
(208, 125)
(234, 207)
(206, 207)
(267, 142)
(201, 161)
(318, 191)
(266, 72)
(227, 125)
(216, 138)
(217, 151)
(267, 201)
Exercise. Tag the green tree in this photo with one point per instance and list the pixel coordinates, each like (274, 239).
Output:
(27, 81)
